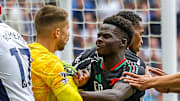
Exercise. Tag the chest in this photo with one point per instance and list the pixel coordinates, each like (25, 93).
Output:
(101, 79)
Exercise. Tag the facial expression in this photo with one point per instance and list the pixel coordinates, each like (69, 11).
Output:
(64, 37)
(137, 39)
(108, 41)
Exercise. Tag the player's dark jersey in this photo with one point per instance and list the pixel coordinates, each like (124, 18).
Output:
(84, 60)
(133, 57)
(99, 79)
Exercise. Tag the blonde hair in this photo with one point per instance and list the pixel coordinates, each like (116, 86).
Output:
(48, 18)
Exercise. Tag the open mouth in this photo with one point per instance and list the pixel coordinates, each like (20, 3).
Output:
(98, 46)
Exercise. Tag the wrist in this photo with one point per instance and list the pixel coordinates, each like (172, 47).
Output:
(150, 83)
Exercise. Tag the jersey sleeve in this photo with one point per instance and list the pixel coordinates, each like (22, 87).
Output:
(54, 75)
(85, 59)
(134, 68)
(70, 70)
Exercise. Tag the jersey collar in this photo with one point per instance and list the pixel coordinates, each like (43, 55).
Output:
(117, 66)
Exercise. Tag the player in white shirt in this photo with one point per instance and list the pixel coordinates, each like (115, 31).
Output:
(15, 65)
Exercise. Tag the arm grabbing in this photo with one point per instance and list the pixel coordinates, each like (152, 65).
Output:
(165, 83)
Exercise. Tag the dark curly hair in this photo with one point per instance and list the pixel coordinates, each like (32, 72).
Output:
(125, 26)
(131, 16)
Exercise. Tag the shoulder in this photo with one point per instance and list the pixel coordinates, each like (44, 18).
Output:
(11, 35)
(85, 54)
(134, 58)
(46, 63)
(85, 58)
(134, 68)
(130, 55)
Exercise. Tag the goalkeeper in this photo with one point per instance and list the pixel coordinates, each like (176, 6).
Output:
(50, 81)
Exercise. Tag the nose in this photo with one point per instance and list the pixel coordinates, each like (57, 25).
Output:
(99, 40)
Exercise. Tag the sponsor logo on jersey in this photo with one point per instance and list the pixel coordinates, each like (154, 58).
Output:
(98, 86)
(63, 74)
(64, 81)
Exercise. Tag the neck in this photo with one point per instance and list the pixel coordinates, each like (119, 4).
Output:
(47, 42)
(112, 60)
(132, 51)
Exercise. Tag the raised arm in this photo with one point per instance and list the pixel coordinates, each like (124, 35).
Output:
(119, 92)
(170, 83)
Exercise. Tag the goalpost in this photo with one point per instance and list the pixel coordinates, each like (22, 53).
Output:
(19, 14)
(169, 41)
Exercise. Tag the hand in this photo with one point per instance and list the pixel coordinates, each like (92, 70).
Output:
(81, 77)
(139, 81)
(157, 71)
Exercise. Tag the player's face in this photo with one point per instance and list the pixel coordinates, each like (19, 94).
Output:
(107, 42)
(64, 37)
(137, 38)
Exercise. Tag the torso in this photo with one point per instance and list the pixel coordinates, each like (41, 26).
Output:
(15, 80)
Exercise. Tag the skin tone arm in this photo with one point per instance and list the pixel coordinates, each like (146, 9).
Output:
(119, 92)
(163, 83)
(157, 72)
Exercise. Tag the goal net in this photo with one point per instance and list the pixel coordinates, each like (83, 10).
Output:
(85, 18)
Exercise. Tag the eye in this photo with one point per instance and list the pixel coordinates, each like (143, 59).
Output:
(98, 35)
(106, 36)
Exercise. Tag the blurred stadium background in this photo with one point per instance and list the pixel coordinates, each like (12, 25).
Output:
(86, 17)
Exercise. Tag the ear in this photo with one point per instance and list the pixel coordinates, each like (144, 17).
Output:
(123, 42)
(57, 33)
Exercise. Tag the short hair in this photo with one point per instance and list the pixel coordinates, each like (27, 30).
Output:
(49, 16)
(131, 16)
(125, 26)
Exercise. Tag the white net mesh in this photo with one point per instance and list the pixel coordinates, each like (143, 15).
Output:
(19, 15)
(87, 16)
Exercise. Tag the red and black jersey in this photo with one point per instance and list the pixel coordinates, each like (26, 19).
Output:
(100, 79)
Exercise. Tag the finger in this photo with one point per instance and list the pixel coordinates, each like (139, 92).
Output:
(147, 71)
(131, 74)
(85, 73)
(129, 78)
(157, 71)
(130, 81)
(76, 80)
(153, 75)
(75, 76)
(80, 73)
(161, 71)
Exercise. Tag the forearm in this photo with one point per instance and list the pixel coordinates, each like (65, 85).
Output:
(67, 93)
(174, 90)
(168, 81)
(116, 94)
(97, 96)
